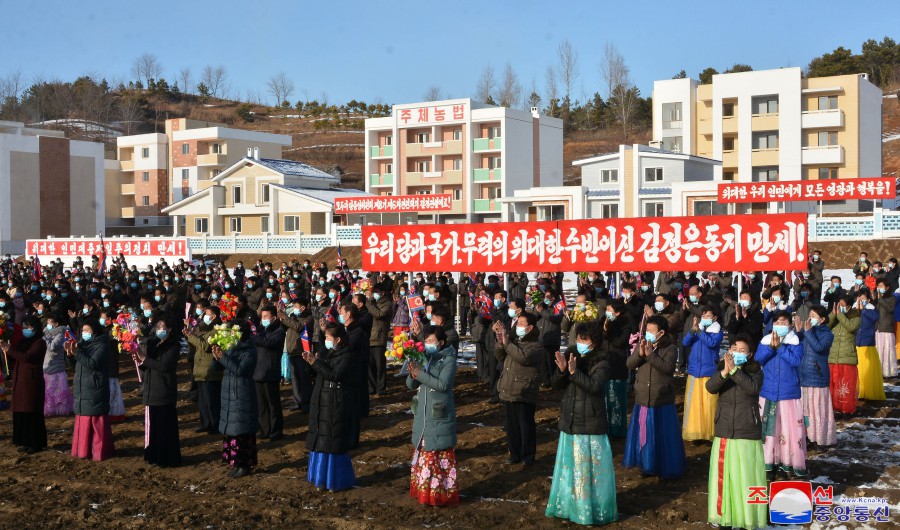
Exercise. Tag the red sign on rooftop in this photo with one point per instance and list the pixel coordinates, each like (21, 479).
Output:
(821, 190)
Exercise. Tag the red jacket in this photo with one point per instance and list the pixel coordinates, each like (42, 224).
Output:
(28, 374)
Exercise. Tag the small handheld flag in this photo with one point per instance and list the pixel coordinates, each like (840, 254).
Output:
(304, 340)
(69, 336)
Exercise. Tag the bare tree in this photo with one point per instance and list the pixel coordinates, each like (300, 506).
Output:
(433, 93)
(130, 114)
(11, 85)
(214, 77)
(281, 87)
(567, 69)
(622, 95)
(185, 77)
(485, 85)
(510, 94)
(146, 67)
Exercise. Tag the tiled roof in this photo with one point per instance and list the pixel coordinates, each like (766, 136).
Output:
(289, 167)
(655, 191)
(603, 193)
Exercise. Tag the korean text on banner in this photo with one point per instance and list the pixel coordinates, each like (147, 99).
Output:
(720, 243)
(824, 190)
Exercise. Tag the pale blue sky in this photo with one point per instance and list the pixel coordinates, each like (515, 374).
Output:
(392, 51)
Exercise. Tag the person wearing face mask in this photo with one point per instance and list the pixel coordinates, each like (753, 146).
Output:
(331, 413)
(783, 428)
(58, 397)
(158, 365)
(518, 386)
(736, 461)
(871, 381)
(616, 333)
(549, 319)
(834, 294)
(28, 352)
(379, 308)
(93, 436)
(433, 476)
(116, 401)
(863, 266)
(501, 316)
(654, 442)
(568, 322)
(254, 292)
(321, 304)
(401, 318)
(691, 309)
(885, 340)
(747, 318)
(664, 308)
(269, 342)
(803, 301)
(842, 358)
(207, 372)
(892, 274)
(777, 303)
(297, 318)
(704, 340)
(775, 283)
(817, 339)
(348, 315)
(633, 304)
(583, 449)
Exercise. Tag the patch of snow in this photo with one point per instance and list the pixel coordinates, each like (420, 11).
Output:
(890, 138)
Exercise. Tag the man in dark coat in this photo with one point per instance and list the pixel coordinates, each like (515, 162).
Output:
(380, 310)
(269, 341)
(348, 314)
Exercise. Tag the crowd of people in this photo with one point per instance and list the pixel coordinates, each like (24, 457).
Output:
(770, 361)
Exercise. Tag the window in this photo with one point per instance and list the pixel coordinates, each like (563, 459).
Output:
(201, 225)
(236, 195)
(727, 110)
(185, 149)
(495, 162)
(671, 115)
(388, 139)
(145, 152)
(672, 143)
(728, 143)
(264, 224)
(388, 169)
(457, 194)
(495, 192)
(554, 212)
(145, 176)
(457, 134)
(422, 192)
(728, 175)
(710, 208)
(264, 194)
(827, 102)
(765, 105)
(765, 174)
(423, 166)
(236, 225)
(215, 172)
(494, 132)
(145, 200)
(826, 173)
(765, 140)
(609, 211)
(291, 223)
(457, 164)
(217, 149)
(609, 176)
(146, 221)
(423, 137)
(653, 209)
(828, 138)
(185, 174)
(653, 174)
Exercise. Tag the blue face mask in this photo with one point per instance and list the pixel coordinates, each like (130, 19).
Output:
(521, 332)
(583, 348)
(659, 306)
(297, 311)
(148, 313)
(744, 303)
(214, 296)
(739, 358)
(858, 281)
(28, 333)
(431, 348)
(85, 311)
(329, 344)
(332, 295)
(693, 299)
(157, 298)
(376, 296)
(162, 334)
(610, 316)
(265, 322)
(781, 330)
(650, 337)
(207, 320)
(430, 297)
(705, 322)
(85, 336)
(547, 302)
(106, 303)
(341, 319)
(269, 296)
(511, 313)
(198, 311)
(103, 322)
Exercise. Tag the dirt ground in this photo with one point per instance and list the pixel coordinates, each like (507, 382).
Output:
(53, 490)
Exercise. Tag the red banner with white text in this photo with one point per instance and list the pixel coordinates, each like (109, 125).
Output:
(169, 247)
(720, 243)
(824, 190)
(440, 202)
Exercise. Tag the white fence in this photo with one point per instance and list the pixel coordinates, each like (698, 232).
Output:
(265, 244)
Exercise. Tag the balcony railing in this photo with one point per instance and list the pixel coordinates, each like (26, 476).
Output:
(487, 144)
(826, 154)
(814, 119)
(487, 175)
(387, 179)
(484, 206)
(127, 189)
(381, 152)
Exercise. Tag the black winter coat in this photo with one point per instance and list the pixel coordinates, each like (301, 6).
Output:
(616, 337)
(160, 383)
(269, 348)
(582, 409)
(240, 412)
(737, 411)
(653, 381)
(91, 381)
(332, 408)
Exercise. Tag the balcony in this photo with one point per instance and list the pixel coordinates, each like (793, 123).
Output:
(826, 154)
(381, 152)
(815, 119)
(212, 159)
(764, 157)
(764, 122)
(729, 125)
(381, 180)
(432, 174)
(487, 144)
(729, 159)
(127, 165)
(485, 206)
(128, 212)
(127, 189)
(453, 176)
(487, 175)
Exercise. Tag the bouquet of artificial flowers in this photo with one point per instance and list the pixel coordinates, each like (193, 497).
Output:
(225, 336)
(405, 349)
(585, 312)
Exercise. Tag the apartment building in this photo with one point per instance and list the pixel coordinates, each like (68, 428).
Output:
(158, 169)
(775, 125)
(49, 186)
(475, 152)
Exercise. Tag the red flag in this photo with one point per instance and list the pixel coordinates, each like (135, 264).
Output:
(102, 268)
(69, 336)
(37, 274)
(304, 340)
(415, 303)
(486, 304)
(560, 306)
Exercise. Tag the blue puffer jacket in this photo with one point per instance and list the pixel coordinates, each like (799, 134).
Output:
(704, 350)
(780, 378)
(240, 412)
(814, 365)
(866, 334)
(896, 307)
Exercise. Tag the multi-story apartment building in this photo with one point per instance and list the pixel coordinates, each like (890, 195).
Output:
(49, 185)
(475, 152)
(160, 169)
(774, 125)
